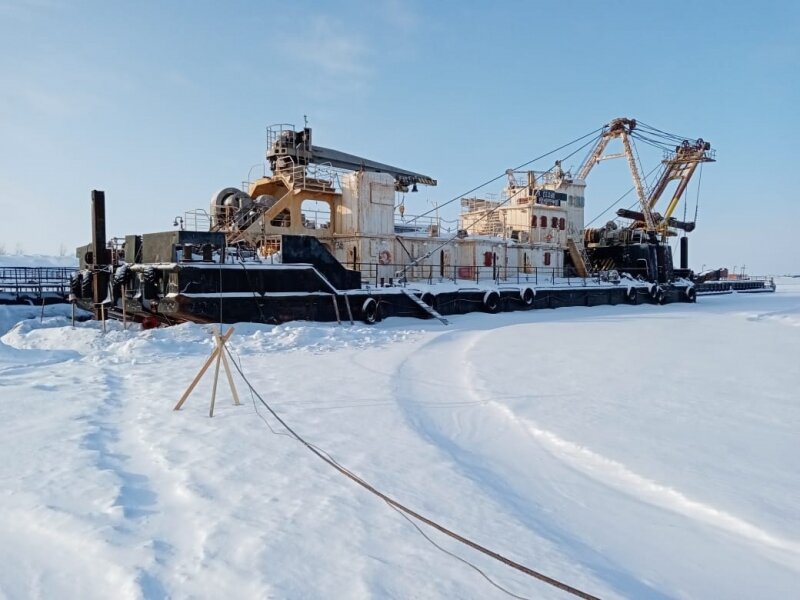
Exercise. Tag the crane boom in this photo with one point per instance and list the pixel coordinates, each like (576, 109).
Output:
(289, 149)
(594, 158)
(637, 182)
(681, 166)
(620, 128)
(613, 129)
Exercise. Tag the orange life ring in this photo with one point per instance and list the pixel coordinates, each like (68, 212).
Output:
(385, 257)
(549, 237)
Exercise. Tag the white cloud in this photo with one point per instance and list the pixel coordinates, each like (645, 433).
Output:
(399, 14)
(329, 50)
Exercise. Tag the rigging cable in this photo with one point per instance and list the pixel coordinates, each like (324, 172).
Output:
(322, 455)
(456, 556)
(401, 273)
(656, 131)
(697, 199)
(618, 200)
(525, 164)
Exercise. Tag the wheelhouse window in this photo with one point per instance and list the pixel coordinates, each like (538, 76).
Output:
(282, 219)
(316, 214)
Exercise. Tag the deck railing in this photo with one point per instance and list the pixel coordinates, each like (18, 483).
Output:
(32, 284)
(390, 274)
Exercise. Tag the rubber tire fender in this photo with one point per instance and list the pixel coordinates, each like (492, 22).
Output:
(75, 284)
(527, 295)
(86, 284)
(691, 294)
(150, 274)
(370, 312)
(122, 276)
(491, 301)
(150, 278)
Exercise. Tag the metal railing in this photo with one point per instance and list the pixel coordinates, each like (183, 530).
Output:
(21, 284)
(197, 220)
(387, 274)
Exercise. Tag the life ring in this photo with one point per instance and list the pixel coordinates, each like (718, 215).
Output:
(527, 295)
(385, 257)
(549, 237)
(491, 301)
(369, 311)
(691, 294)
(632, 295)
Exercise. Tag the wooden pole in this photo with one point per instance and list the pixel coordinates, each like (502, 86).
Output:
(216, 379)
(228, 370)
(124, 313)
(203, 369)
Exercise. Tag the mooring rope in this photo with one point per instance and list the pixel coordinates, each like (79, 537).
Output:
(325, 457)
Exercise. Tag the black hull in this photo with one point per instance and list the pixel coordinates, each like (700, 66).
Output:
(728, 287)
(390, 303)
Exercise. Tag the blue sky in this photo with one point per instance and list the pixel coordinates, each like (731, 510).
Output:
(162, 103)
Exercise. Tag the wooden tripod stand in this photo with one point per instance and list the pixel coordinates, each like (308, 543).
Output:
(219, 355)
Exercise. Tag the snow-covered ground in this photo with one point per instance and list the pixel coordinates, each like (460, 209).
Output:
(629, 451)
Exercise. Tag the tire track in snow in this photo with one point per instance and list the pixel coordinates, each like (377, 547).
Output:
(618, 476)
(56, 522)
(585, 566)
(135, 496)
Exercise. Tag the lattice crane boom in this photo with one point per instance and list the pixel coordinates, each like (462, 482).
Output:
(620, 128)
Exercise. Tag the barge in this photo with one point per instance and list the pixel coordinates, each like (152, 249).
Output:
(325, 237)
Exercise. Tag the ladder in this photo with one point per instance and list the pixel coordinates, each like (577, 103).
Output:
(491, 225)
(578, 258)
(428, 309)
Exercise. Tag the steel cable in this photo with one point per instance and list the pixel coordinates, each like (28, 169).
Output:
(525, 164)
(404, 509)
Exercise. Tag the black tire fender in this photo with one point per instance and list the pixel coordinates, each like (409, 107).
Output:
(370, 312)
(491, 301)
(527, 295)
(86, 284)
(75, 284)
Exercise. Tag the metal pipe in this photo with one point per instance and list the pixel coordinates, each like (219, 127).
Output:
(684, 252)
(99, 252)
